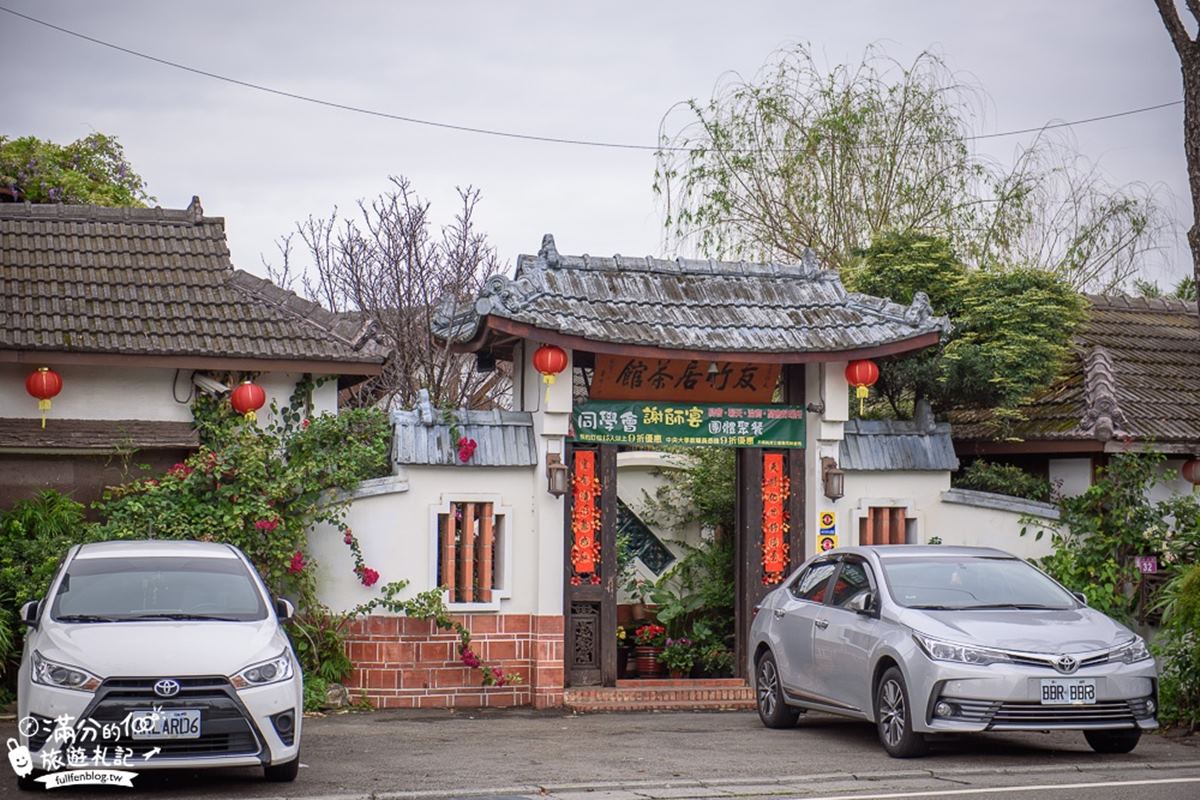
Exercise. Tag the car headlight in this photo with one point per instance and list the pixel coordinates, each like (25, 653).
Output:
(277, 669)
(62, 676)
(1132, 651)
(940, 650)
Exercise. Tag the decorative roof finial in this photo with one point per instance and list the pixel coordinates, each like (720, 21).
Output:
(549, 252)
(196, 210)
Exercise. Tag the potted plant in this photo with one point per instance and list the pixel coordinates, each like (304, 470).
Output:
(678, 656)
(650, 641)
(638, 590)
(626, 665)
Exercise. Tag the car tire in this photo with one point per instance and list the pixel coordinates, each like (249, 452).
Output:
(283, 773)
(893, 717)
(1113, 741)
(768, 693)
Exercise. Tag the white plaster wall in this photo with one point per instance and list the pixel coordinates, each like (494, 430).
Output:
(643, 473)
(396, 533)
(985, 527)
(143, 393)
(826, 384)
(1070, 476)
(1172, 482)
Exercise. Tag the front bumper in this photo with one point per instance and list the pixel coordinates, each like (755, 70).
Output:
(1007, 697)
(236, 727)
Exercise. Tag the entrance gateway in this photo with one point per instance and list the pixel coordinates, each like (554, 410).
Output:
(679, 353)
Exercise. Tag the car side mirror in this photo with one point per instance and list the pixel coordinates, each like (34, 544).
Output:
(284, 610)
(863, 603)
(29, 613)
(1081, 597)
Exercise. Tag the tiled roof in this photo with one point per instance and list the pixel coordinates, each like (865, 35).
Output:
(425, 436)
(903, 445)
(697, 305)
(1135, 374)
(154, 282)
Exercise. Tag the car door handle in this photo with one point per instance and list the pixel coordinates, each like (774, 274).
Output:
(779, 613)
(822, 624)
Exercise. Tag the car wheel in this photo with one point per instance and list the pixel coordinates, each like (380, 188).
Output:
(283, 773)
(1113, 741)
(893, 717)
(768, 690)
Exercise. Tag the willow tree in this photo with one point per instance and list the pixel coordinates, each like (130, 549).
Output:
(799, 157)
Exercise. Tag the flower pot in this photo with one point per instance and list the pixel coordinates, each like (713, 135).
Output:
(647, 661)
(677, 674)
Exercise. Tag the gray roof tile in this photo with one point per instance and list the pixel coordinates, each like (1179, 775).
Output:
(426, 436)
(152, 282)
(688, 304)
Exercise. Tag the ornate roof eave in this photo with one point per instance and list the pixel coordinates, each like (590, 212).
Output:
(493, 329)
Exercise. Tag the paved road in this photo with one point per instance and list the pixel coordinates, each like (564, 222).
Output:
(652, 756)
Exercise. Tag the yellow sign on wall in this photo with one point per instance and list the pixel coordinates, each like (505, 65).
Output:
(827, 535)
(826, 541)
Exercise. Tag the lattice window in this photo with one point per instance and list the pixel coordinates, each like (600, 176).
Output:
(470, 551)
(885, 525)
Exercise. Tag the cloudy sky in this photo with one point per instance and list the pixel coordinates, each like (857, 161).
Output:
(605, 71)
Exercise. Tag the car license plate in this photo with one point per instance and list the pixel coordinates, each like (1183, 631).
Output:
(1068, 691)
(172, 723)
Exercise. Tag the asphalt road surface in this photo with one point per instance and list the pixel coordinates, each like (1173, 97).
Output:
(670, 756)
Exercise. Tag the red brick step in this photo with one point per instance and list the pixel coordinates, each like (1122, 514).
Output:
(663, 695)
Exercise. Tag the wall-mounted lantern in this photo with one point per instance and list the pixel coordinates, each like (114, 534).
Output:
(557, 475)
(833, 479)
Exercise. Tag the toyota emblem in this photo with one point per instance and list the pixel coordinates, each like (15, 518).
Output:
(166, 688)
(1066, 664)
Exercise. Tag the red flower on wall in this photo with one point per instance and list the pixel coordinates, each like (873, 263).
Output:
(466, 449)
(297, 565)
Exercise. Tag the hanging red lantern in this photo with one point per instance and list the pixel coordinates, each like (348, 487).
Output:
(248, 398)
(549, 360)
(862, 375)
(1191, 471)
(43, 384)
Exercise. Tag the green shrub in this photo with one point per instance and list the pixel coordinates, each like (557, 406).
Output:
(984, 476)
(1178, 647)
(34, 536)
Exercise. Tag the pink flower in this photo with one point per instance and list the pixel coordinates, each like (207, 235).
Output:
(179, 470)
(267, 524)
(348, 538)
(500, 679)
(305, 423)
(368, 576)
(469, 658)
(297, 565)
(466, 449)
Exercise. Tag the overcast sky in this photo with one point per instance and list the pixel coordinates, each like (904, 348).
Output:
(604, 71)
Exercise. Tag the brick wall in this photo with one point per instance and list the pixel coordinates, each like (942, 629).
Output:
(409, 663)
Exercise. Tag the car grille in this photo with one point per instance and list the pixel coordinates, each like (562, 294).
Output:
(1030, 660)
(1025, 716)
(224, 728)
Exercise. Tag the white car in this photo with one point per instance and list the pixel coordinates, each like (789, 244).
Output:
(167, 654)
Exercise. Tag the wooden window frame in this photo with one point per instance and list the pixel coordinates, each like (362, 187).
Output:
(501, 572)
(906, 504)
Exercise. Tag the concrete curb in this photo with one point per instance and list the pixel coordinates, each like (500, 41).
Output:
(742, 787)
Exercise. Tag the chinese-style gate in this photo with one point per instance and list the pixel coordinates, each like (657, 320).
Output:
(769, 542)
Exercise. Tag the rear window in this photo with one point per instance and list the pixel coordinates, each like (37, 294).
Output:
(156, 588)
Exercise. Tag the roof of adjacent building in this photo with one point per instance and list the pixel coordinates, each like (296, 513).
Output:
(153, 282)
(429, 436)
(797, 312)
(1135, 376)
(918, 445)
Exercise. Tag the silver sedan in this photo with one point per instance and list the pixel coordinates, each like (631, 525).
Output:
(923, 640)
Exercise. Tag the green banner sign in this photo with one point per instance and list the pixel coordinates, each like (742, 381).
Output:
(702, 424)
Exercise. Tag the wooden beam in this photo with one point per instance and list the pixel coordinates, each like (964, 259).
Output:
(486, 542)
(608, 564)
(467, 550)
(748, 586)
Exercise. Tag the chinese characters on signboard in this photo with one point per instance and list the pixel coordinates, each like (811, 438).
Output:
(631, 377)
(651, 423)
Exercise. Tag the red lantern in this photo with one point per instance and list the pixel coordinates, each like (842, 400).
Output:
(549, 360)
(43, 384)
(248, 398)
(861, 375)
(1191, 471)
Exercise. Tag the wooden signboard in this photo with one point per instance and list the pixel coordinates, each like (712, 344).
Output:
(635, 378)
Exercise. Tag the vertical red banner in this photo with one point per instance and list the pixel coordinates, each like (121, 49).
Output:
(585, 519)
(775, 490)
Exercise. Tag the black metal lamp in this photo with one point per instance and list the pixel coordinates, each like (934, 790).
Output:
(833, 479)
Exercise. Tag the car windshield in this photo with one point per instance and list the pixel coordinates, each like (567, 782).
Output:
(157, 588)
(971, 582)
